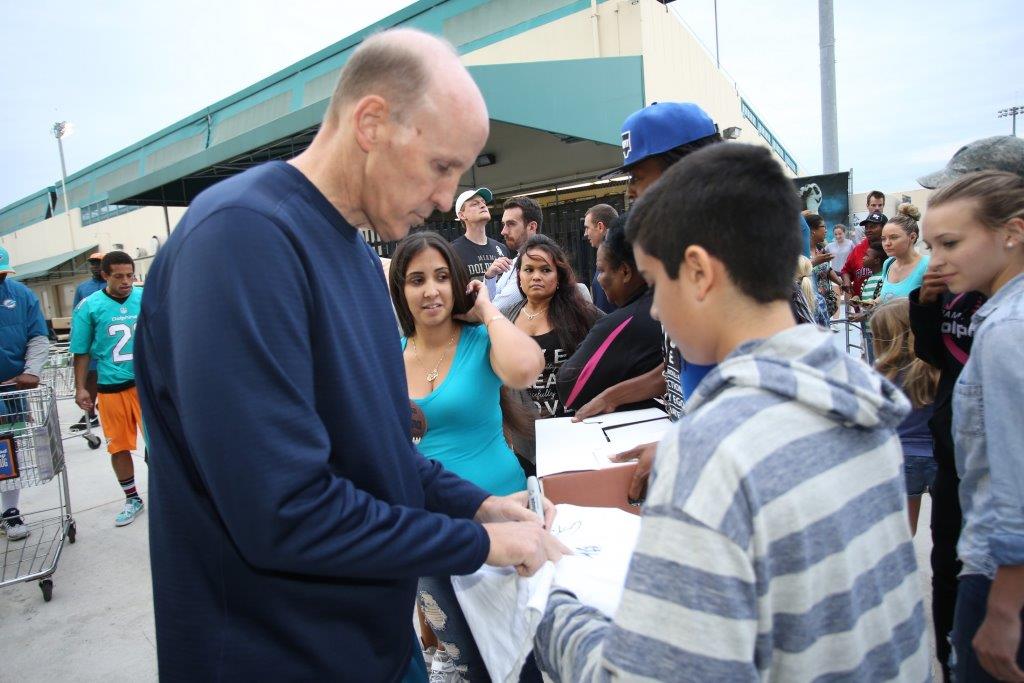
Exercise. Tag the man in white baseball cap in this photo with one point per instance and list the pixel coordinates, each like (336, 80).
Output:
(475, 248)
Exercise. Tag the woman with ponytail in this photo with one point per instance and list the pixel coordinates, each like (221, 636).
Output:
(904, 270)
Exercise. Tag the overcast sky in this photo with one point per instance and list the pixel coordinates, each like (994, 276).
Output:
(916, 78)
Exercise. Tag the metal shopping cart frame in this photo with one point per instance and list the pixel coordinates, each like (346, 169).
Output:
(863, 328)
(32, 454)
(59, 374)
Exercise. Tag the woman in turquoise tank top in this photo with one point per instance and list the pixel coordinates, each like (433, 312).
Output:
(903, 271)
(458, 351)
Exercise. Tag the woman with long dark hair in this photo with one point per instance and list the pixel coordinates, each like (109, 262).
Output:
(553, 313)
(458, 351)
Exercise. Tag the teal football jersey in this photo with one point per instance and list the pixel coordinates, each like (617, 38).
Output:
(105, 329)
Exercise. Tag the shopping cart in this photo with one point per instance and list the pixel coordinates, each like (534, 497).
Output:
(858, 332)
(59, 374)
(32, 454)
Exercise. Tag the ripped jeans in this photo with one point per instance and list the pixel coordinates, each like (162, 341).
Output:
(436, 598)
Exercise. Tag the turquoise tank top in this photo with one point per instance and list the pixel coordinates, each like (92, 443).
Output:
(904, 287)
(463, 414)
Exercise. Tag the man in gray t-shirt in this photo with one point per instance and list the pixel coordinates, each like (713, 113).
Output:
(840, 247)
(475, 248)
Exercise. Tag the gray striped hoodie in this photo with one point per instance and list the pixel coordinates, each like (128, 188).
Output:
(774, 541)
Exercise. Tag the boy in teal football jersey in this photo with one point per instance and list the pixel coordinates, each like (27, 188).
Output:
(103, 327)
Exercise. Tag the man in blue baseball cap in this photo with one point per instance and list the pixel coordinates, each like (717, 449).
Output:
(653, 139)
(23, 349)
(658, 136)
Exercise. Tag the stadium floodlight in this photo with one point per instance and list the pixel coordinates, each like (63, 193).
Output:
(60, 130)
(1012, 113)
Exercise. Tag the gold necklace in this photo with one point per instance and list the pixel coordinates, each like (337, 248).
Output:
(432, 374)
(532, 316)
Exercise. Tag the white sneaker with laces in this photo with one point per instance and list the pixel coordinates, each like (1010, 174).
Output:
(443, 669)
(12, 525)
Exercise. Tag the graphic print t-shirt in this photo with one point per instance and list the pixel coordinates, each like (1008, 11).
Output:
(544, 391)
(478, 257)
(673, 378)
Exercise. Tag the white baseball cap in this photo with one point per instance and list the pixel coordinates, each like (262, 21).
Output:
(469, 194)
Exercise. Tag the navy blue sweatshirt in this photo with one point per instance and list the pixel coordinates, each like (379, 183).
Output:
(290, 514)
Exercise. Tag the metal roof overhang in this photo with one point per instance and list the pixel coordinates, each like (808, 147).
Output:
(50, 267)
(552, 121)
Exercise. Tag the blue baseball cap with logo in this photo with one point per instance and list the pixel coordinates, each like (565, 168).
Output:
(5, 262)
(660, 127)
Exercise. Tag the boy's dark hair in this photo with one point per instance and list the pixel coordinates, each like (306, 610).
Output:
(617, 249)
(116, 258)
(735, 202)
(875, 194)
(529, 207)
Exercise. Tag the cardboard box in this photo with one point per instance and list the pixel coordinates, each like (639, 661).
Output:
(605, 488)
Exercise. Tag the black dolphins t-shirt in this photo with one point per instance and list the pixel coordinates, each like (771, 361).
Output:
(478, 257)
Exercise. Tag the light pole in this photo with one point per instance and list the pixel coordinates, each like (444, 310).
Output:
(1012, 113)
(829, 119)
(60, 129)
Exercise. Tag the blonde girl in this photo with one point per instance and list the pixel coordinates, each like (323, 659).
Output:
(893, 343)
(904, 270)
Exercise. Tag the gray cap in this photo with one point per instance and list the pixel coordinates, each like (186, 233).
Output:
(999, 153)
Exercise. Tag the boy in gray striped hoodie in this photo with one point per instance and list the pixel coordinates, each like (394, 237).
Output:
(774, 543)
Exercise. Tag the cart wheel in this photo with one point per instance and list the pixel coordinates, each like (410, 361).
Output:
(93, 441)
(72, 530)
(46, 585)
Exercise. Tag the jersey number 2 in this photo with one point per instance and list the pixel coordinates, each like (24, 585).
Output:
(126, 335)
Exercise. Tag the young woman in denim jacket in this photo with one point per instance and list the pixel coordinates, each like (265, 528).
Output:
(975, 228)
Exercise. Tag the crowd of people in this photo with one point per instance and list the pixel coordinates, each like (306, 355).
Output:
(102, 343)
(778, 512)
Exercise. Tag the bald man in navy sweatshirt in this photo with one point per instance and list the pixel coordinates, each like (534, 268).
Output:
(290, 512)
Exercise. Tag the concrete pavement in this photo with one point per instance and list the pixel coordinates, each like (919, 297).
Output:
(99, 624)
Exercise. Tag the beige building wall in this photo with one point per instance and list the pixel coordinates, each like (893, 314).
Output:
(675, 65)
(54, 235)
(43, 239)
(571, 37)
(51, 237)
(133, 230)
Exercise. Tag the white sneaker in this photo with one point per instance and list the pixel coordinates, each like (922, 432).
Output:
(12, 525)
(443, 670)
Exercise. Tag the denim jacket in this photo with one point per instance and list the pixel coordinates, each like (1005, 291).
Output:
(989, 436)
